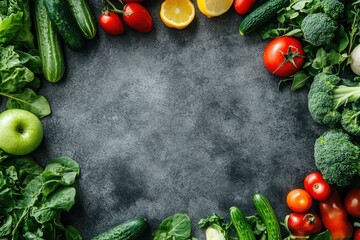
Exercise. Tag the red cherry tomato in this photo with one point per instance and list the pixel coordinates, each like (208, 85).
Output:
(303, 224)
(243, 6)
(298, 200)
(356, 235)
(352, 202)
(318, 188)
(284, 56)
(137, 17)
(111, 23)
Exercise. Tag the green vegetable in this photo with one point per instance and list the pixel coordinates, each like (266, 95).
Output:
(325, 97)
(333, 8)
(216, 228)
(32, 199)
(49, 44)
(239, 221)
(266, 212)
(128, 230)
(84, 17)
(319, 29)
(337, 157)
(261, 15)
(176, 227)
(61, 17)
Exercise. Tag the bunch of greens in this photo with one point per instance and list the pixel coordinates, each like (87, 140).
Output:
(19, 61)
(32, 198)
(328, 28)
(176, 227)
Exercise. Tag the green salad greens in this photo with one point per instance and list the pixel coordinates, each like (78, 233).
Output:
(176, 227)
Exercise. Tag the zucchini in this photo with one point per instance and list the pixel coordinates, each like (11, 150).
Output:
(266, 212)
(241, 225)
(60, 15)
(84, 17)
(49, 44)
(128, 230)
(262, 15)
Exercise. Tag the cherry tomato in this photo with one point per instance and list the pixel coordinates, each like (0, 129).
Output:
(284, 56)
(298, 200)
(243, 6)
(303, 224)
(352, 202)
(318, 188)
(334, 216)
(111, 23)
(137, 17)
(356, 235)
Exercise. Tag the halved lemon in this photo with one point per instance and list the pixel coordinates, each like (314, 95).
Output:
(213, 8)
(177, 13)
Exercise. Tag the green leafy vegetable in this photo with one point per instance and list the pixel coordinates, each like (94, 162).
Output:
(176, 227)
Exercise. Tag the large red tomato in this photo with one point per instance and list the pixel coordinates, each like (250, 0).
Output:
(352, 202)
(284, 56)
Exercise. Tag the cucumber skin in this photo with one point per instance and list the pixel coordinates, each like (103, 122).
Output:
(128, 230)
(84, 17)
(60, 15)
(266, 212)
(241, 225)
(49, 44)
(261, 15)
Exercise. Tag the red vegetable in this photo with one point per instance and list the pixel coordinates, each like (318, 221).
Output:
(356, 235)
(334, 216)
(318, 188)
(284, 56)
(303, 224)
(352, 202)
(243, 6)
(298, 200)
(111, 23)
(137, 17)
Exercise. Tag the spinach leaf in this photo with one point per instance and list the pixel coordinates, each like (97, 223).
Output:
(176, 227)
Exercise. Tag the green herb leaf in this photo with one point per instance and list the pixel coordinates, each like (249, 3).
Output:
(176, 227)
(300, 79)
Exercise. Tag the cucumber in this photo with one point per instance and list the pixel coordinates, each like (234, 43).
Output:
(50, 51)
(261, 15)
(266, 212)
(129, 230)
(84, 17)
(60, 15)
(241, 225)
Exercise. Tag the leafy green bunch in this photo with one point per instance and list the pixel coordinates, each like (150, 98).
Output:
(328, 30)
(32, 198)
(175, 227)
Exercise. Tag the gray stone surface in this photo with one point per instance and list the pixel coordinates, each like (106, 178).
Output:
(176, 121)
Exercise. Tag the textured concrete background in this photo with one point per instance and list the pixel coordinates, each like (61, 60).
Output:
(176, 121)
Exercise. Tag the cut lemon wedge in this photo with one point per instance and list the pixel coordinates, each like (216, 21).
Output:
(213, 8)
(177, 13)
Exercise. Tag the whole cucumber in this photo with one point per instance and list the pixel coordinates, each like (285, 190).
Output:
(49, 44)
(84, 17)
(60, 15)
(241, 225)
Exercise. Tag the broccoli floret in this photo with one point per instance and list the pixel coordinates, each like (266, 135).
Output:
(333, 8)
(318, 28)
(325, 97)
(337, 157)
(350, 121)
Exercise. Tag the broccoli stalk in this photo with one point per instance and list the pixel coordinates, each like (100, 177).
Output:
(326, 96)
(337, 157)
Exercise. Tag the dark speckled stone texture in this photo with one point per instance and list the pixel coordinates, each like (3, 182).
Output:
(176, 121)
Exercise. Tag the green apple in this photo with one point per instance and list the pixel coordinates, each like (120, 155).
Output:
(21, 131)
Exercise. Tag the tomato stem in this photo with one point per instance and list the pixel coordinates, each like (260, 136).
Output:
(310, 218)
(289, 57)
(113, 7)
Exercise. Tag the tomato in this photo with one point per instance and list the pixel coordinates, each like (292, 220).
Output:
(334, 216)
(318, 188)
(111, 23)
(137, 17)
(284, 56)
(356, 235)
(298, 200)
(352, 202)
(243, 6)
(303, 224)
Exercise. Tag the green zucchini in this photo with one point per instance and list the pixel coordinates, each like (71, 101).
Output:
(129, 230)
(60, 15)
(84, 17)
(266, 212)
(241, 225)
(262, 15)
(49, 44)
